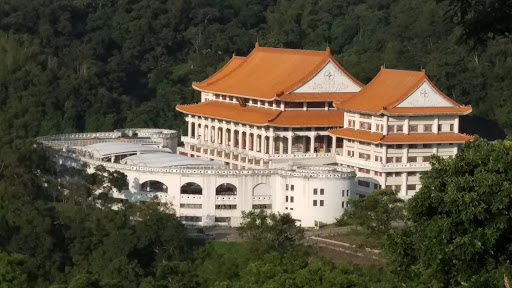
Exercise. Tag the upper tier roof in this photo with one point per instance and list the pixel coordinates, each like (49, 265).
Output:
(268, 73)
(399, 92)
(265, 116)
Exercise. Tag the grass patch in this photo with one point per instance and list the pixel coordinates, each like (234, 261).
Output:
(358, 238)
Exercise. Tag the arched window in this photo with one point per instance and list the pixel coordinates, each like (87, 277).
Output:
(262, 189)
(225, 189)
(191, 188)
(153, 186)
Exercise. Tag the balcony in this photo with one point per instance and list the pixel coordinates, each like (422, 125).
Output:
(390, 167)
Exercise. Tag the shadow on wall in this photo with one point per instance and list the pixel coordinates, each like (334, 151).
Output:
(485, 128)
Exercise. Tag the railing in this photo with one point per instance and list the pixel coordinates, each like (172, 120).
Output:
(351, 160)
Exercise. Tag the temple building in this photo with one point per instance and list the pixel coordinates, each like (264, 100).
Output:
(281, 106)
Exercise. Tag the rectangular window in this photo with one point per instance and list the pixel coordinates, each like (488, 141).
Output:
(389, 160)
(314, 202)
(286, 199)
(410, 174)
(398, 174)
(427, 128)
(226, 207)
(413, 128)
(398, 159)
(376, 186)
(291, 199)
(286, 187)
(413, 159)
(321, 202)
(451, 127)
(363, 183)
(391, 128)
(321, 191)
(364, 156)
(342, 193)
(413, 146)
(191, 206)
(427, 145)
(411, 187)
(440, 127)
(191, 218)
(348, 193)
(342, 204)
(398, 146)
(291, 208)
(363, 170)
(261, 206)
(315, 191)
(426, 158)
(291, 188)
(399, 128)
(222, 219)
(398, 188)
(365, 125)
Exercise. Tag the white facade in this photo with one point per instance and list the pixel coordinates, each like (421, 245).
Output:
(308, 193)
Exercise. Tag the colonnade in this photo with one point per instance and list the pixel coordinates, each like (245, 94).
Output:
(259, 139)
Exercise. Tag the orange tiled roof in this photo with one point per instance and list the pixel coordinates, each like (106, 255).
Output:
(388, 89)
(311, 118)
(357, 134)
(264, 116)
(311, 97)
(428, 110)
(268, 73)
(427, 138)
(230, 111)
(368, 136)
(230, 66)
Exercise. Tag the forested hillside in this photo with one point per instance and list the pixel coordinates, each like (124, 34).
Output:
(104, 64)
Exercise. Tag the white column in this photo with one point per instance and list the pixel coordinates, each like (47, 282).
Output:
(406, 153)
(385, 128)
(406, 126)
(384, 153)
(333, 149)
(404, 183)
(281, 146)
(456, 126)
(209, 137)
(290, 136)
(196, 130)
(247, 138)
(189, 131)
(373, 124)
(435, 129)
(232, 136)
(271, 139)
(254, 142)
(312, 143)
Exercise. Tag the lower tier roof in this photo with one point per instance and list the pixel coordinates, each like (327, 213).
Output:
(265, 116)
(368, 136)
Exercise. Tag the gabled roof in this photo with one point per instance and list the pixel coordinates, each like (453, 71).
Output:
(390, 88)
(398, 138)
(264, 116)
(268, 73)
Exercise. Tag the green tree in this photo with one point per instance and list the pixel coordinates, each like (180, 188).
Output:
(12, 271)
(458, 224)
(270, 231)
(376, 212)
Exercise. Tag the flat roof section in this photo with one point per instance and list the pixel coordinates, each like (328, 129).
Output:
(167, 160)
(116, 148)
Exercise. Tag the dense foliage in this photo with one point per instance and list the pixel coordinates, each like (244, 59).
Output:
(459, 223)
(89, 65)
(101, 64)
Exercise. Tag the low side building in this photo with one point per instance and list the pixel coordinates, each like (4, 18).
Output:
(205, 192)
